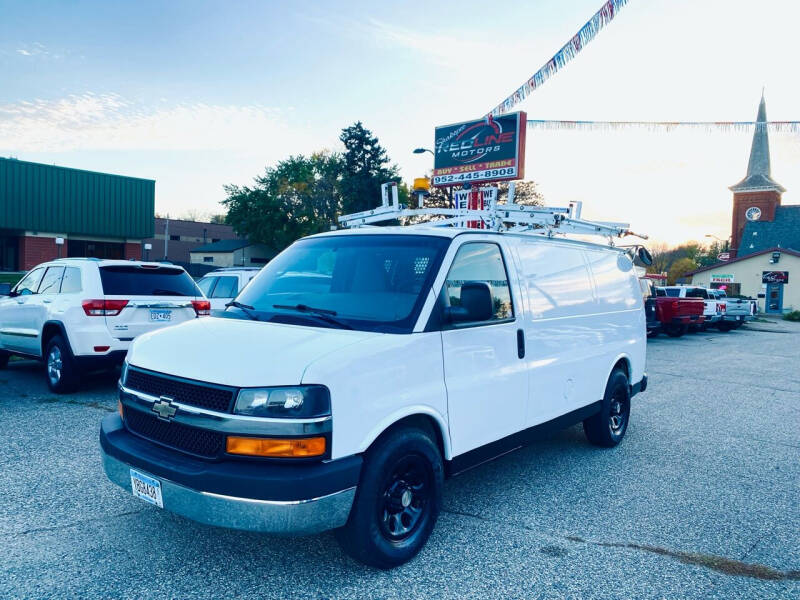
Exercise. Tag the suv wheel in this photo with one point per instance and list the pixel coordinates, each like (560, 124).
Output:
(4, 356)
(60, 367)
(608, 427)
(398, 500)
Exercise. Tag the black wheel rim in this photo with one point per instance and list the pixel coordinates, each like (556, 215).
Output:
(618, 411)
(405, 500)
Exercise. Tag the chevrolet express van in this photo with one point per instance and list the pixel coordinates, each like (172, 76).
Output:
(361, 368)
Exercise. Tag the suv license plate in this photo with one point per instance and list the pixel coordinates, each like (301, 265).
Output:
(146, 488)
(160, 315)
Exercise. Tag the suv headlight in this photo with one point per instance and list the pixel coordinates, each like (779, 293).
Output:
(298, 402)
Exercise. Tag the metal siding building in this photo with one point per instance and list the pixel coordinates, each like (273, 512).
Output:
(98, 214)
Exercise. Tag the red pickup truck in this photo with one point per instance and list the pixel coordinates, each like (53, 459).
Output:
(677, 314)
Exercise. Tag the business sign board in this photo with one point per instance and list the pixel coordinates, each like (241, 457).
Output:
(721, 278)
(775, 277)
(487, 149)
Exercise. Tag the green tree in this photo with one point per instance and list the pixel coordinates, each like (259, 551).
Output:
(366, 167)
(679, 269)
(297, 197)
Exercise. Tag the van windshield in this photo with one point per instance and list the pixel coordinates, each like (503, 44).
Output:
(365, 282)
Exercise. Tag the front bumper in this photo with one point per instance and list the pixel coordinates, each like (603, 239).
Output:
(274, 498)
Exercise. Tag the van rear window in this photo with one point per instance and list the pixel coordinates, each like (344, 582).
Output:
(125, 280)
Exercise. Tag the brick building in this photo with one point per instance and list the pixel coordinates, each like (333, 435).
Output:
(47, 211)
(173, 239)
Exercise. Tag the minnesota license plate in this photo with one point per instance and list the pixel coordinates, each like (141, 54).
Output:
(160, 315)
(146, 488)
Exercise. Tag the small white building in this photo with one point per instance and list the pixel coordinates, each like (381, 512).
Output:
(771, 275)
(232, 253)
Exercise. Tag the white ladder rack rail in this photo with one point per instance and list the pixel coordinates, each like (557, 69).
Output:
(537, 220)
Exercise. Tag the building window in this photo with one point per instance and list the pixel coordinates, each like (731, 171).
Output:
(214, 240)
(175, 238)
(208, 259)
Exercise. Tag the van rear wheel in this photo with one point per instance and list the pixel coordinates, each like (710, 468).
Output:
(608, 427)
(398, 500)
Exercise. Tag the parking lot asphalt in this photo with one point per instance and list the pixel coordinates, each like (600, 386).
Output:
(699, 501)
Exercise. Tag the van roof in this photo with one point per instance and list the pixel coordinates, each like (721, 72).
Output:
(452, 232)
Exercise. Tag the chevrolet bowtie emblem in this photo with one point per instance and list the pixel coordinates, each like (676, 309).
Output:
(164, 408)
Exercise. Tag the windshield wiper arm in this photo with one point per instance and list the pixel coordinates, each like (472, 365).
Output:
(245, 308)
(323, 314)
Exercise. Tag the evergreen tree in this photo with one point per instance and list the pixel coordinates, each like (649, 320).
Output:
(366, 167)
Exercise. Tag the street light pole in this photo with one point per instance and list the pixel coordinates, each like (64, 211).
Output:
(449, 188)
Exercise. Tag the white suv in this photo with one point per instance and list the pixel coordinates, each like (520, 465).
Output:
(223, 285)
(78, 314)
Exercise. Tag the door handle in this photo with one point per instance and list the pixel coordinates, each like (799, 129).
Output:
(45, 301)
(520, 343)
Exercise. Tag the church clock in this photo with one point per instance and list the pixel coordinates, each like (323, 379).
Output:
(753, 213)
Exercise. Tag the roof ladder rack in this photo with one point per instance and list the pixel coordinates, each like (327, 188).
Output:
(507, 217)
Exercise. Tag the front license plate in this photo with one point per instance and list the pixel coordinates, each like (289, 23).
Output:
(146, 488)
(160, 315)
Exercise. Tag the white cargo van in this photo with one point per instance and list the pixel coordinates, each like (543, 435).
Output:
(360, 368)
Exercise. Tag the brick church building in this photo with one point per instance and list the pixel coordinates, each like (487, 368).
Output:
(765, 236)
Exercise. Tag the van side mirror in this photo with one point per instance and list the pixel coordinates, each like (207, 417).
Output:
(645, 256)
(5, 289)
(476, 303)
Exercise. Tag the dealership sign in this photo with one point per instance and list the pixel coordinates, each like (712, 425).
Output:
(721, 278)
(775, 277)
(488, 149)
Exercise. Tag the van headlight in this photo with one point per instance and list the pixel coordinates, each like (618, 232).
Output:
(298, 402)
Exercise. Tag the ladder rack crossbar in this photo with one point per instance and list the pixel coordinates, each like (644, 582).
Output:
(536, 220)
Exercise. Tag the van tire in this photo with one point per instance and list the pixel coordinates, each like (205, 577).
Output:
(676, 331)
(60, 369)
(400, 487)
(608, 427)
(4, 358)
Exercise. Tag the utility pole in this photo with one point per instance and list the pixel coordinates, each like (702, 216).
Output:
(166, 237)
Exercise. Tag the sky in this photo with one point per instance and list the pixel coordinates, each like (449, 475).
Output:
(201, 94)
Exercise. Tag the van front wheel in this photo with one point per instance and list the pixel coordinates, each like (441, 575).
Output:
(398, 500)
(608, 427)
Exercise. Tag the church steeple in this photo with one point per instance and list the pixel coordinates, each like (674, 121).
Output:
(757, 196)
(759, 177)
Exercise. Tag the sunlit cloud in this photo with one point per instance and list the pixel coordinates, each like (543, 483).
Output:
(110, 122)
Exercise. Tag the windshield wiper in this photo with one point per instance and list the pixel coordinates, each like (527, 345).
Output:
(160, 292)
(245, 308)
(323, 314)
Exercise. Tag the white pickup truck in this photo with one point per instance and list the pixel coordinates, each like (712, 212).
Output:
(713, 310)
(735, 310)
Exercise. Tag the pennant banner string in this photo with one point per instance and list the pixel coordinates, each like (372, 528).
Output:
(661, 126)
(586, 34)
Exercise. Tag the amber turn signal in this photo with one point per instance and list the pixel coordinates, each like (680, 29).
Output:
(275, 447)
(120, 410)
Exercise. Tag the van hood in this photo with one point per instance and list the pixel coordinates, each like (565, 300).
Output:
(238, 353)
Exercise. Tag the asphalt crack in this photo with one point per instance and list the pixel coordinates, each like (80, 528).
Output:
(720, 564)
(74, 523)
(61, 400)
